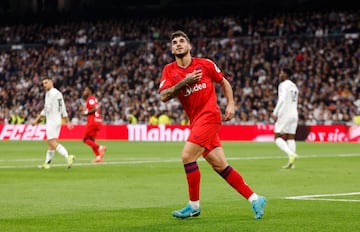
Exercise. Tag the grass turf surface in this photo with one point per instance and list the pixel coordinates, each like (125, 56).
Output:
(141, 183)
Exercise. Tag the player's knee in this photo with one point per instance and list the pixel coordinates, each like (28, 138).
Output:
(283, 136)
(291, 136)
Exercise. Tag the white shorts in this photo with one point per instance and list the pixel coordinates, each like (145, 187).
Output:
(286, 125)
(53, 131)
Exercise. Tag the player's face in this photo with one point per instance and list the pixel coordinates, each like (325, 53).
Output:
(282, 76)
(180, 46)
(47, 84)
(86, 92)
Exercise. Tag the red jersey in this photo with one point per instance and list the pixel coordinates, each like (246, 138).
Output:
(91, 103)
(198, 100)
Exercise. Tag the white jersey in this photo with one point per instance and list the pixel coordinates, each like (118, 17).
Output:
(54, 110)
(287, 103)
(286, 108)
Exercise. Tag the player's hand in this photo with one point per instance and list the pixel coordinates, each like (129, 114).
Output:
(70, 125)
(34, 122)
(229, 112)
(274, 117)
(194, 76)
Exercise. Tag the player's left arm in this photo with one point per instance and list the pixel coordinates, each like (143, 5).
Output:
(228, 93)
(64, 113)
(68, 122)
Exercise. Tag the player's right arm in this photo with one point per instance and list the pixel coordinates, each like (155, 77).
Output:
(40, 116)
(167, 93)
(36, 120)
(91, 107)
(279, 103)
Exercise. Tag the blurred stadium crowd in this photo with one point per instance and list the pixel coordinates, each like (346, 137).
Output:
(123, 60)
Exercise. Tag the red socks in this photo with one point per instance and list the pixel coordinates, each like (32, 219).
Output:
(93, 145)
(193, 178)
(234, 178)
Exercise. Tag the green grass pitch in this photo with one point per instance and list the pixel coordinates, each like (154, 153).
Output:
(141, 183)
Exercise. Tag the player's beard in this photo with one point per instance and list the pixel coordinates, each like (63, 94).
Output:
(181, 55)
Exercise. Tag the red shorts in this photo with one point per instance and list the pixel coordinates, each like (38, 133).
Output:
(92, 130)
(205, 135)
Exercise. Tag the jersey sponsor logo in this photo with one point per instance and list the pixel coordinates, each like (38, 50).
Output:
(195, 88)
(92, 102)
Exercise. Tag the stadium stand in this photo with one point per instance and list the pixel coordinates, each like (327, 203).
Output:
(123, 59)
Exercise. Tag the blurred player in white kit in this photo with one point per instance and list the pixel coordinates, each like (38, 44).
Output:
(286, 116)
(54, 111)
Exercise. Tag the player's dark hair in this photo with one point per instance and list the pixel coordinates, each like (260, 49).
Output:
(46, 78)
(178, 34)
(288, 72)
(92, 89)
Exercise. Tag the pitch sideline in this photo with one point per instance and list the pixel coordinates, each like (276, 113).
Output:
(159, 160)
(319, 197)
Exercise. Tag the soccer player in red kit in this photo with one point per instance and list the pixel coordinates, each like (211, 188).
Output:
(93, 125)
(192, 80)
